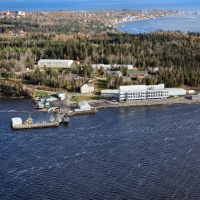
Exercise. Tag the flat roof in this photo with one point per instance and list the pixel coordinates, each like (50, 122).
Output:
(110, 91)
(54, 60)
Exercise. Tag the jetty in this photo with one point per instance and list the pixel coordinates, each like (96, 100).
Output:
(35, 125)
(60, 117)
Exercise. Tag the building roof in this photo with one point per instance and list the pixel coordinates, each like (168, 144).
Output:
(110, 91)
(141, 87)
(54, 60)
(89, 85)
(60, 92)
(16, 120)
(83, 103)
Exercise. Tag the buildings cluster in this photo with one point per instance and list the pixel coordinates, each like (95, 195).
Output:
(12, 14)
(124, 93)
(142, 92)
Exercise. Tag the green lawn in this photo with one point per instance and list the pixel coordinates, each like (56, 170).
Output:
(8, 25)
(39, 93)
(84, 98)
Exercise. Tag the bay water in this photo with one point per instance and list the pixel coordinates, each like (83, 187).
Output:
(118, 153)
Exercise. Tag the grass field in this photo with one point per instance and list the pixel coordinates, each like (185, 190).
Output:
(8, 25)
(83, 98)
(40, 93)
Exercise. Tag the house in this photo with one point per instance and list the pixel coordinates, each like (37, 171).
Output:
(87, 88)
(55, 63)
(47, 98)
(61, 95)
(83, 106)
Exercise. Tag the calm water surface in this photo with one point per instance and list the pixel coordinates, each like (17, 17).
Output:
(184, 23)
(127, 153)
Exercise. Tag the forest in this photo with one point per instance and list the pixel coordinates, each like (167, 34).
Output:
(176, 54)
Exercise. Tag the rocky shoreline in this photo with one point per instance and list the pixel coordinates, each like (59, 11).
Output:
(155, 102)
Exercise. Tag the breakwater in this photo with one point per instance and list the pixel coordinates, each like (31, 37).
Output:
(155, 102)
(84, 112)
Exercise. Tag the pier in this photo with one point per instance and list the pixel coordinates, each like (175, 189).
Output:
(60, 117)
(36, 125)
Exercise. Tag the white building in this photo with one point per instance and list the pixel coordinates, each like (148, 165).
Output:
(61, 95)
(110, 93)
(87, 88)
(142, 92)
(176, 91)
(55, 63)
(83, 106)
(16, 121)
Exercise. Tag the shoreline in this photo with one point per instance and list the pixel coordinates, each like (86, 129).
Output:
(138, 103)
(96, 105)
(155, 102)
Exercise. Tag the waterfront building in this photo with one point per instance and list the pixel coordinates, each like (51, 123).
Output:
(87, 88)
(83, 106)
(16, 121)
(110, 94)
(176, 91)
(142, 92)
(48, 98)
(55, 63)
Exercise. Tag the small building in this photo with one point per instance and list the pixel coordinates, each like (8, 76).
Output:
(110, 94)
(16, 121)
(190, 91)
(176, 91)
(40, 105)
(47, 98)
(61, 95)
(55, 63)
(87, 88)
(83, 106)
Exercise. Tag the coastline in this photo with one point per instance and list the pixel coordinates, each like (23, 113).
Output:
(155, 102)
(136, 103)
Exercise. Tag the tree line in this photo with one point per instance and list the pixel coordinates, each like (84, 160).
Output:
(177, 55)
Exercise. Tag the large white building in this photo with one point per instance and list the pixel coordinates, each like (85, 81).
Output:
(143, 92)
(55, 63)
